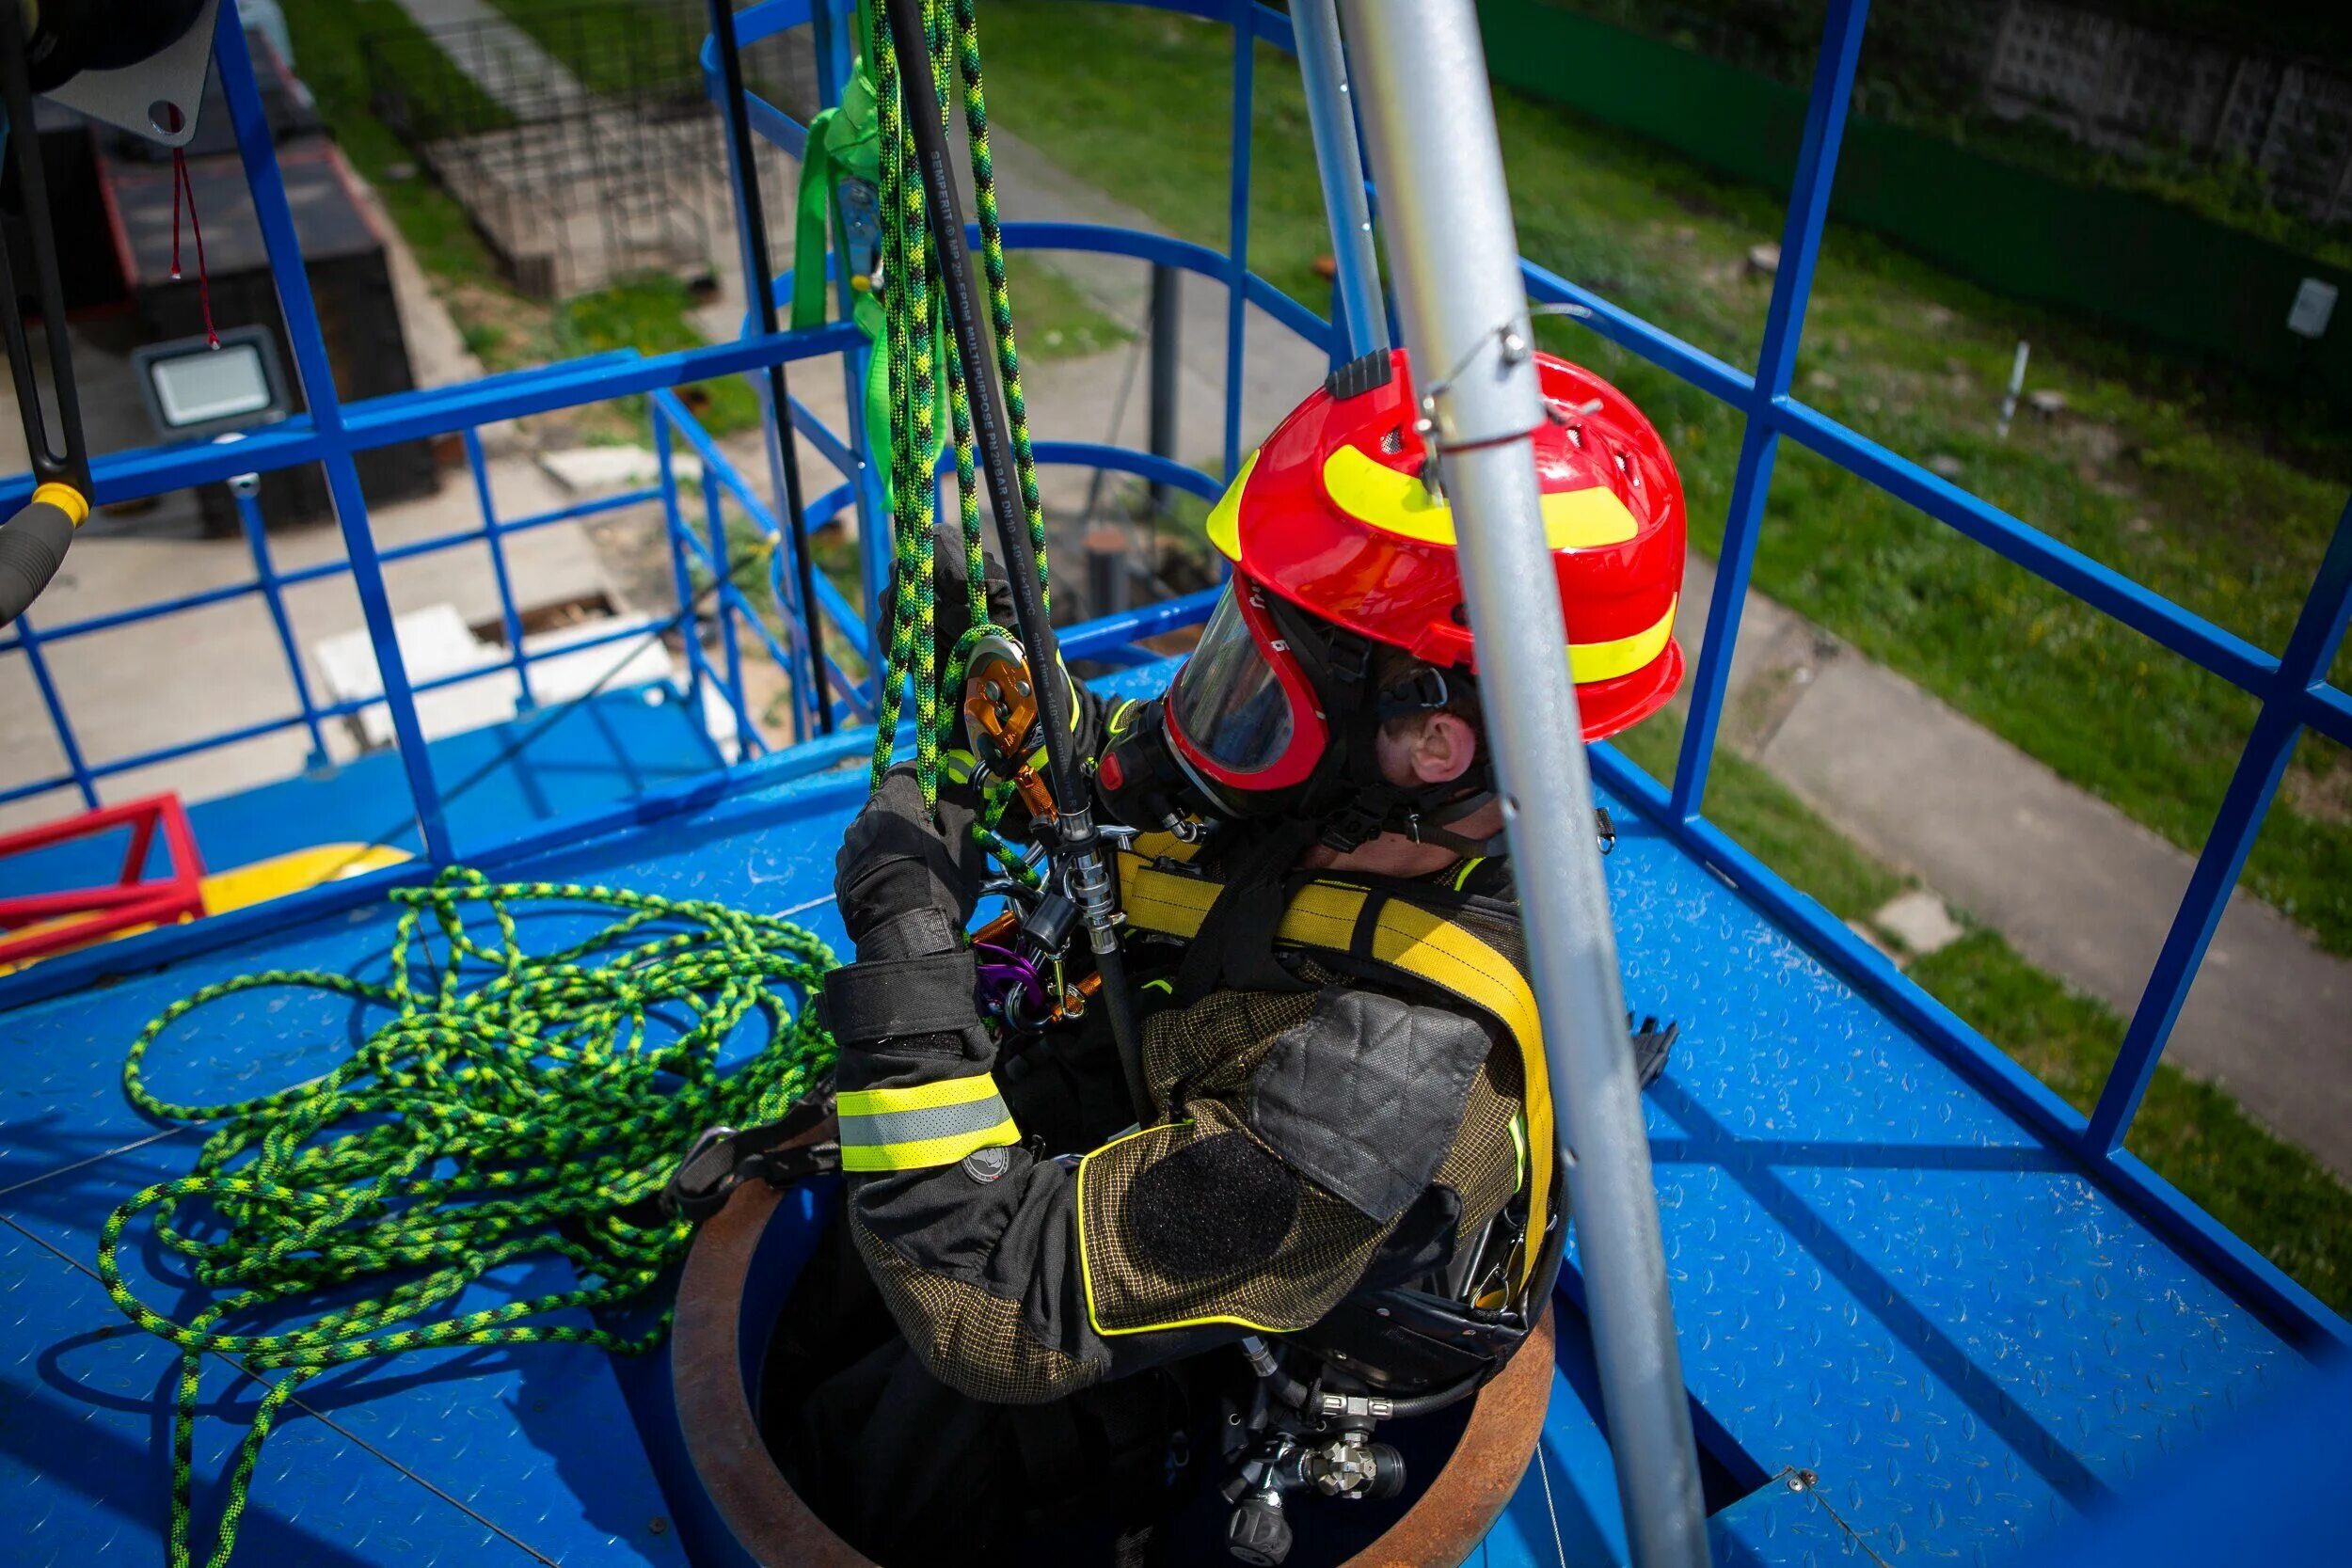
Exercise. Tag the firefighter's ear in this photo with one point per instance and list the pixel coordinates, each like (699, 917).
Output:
(1442, 748)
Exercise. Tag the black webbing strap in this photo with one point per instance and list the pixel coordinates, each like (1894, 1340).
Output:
(805, 1142)
(893, 998)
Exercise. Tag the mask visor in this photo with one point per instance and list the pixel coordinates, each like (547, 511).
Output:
(1242, 710)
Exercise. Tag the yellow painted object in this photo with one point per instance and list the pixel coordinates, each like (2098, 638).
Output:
(258, 883)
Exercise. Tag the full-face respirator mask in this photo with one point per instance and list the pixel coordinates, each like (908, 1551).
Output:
(1277, 714)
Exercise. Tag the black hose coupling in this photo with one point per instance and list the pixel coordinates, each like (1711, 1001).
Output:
(33, 545)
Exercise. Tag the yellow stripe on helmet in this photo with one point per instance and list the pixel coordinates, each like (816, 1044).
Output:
(1606, 661)
(1225, 517)
(1398, 502)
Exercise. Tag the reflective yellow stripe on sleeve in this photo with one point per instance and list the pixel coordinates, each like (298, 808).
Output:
(922, 1125)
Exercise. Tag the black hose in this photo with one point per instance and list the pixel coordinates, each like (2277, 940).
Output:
(32, 545)
(1436, 1400)
(785, 442)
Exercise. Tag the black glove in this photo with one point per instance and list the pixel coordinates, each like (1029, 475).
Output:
(906, 885)
(1651, 1045)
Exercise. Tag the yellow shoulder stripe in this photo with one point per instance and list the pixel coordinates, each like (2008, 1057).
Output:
(1415, 941)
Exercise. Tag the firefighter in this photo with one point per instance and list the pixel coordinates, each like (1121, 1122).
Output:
(1348, 1094)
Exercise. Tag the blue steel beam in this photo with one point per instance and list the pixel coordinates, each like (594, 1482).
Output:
(509, 616)
(325, 569)
(718, 561)
(2310, 648)
(1238, 227)
(78, 772)
(343, 709)
(256, 149)
(266, 581)
(673, 520)
(673, 417)
(1776, 364)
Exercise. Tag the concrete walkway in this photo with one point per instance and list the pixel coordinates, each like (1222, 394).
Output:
(504, 61)
(2074, 884)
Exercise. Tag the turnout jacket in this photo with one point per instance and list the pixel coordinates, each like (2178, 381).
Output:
(1307, 1145)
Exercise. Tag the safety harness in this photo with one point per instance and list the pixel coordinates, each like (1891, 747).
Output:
(1370, 926)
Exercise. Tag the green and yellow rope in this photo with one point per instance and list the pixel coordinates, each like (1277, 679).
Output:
(916, 340)
(508, 1105)
(513, 1105)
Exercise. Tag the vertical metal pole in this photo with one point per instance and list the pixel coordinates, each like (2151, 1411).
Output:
(244, 489)
(830, 39)
(1751, 478)
(1238, 227)
(1331, 116)
(84, 779)
(1108, 574)
(1452, 242)
(673, 520)
(1168, 358)
(784, 447)
(2310, 650)
(492, 535)
(308, 345)
(746, 740)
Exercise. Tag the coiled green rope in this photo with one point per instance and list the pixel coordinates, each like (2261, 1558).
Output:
(516, 1105)
(511, 1105)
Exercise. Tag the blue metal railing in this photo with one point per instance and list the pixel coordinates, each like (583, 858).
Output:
(2290, 686)
(270, 584)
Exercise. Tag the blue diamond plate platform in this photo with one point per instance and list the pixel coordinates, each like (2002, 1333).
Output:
(1878, 1277)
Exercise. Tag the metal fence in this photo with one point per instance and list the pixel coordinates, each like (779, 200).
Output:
(2290, 684)
(583, 150)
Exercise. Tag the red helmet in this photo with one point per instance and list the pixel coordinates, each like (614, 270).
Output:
(1339, 543)
(1333, 515)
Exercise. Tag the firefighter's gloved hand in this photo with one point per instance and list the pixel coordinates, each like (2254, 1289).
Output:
(1652, 1046)
(907, 885)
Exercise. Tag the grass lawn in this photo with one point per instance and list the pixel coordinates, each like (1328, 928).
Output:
(2279, 1199)
(2210, 489)
(614, 45)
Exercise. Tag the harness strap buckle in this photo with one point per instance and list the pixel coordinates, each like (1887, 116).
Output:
(806, 1142)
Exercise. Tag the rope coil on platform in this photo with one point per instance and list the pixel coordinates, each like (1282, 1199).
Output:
(515, 1105)
(519, 1105)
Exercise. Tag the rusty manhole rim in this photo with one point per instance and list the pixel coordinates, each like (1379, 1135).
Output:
(776, 1527)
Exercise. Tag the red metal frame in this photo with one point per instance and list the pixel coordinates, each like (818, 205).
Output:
(128, 903)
